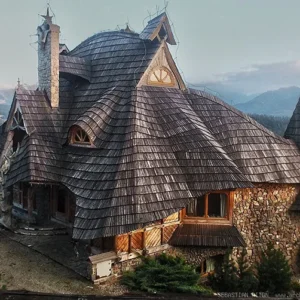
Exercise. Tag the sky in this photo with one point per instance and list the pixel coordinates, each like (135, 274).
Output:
(250, 46)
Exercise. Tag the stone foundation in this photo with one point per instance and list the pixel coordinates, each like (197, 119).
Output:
(196, 255)
(262, 215)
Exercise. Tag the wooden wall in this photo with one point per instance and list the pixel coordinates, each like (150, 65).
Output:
(153, 235)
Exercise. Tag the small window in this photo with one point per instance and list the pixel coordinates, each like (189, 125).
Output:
(79, 136)
(161, 76)
(209, 265)
(213, 205)
(18, 121)
(18, 128)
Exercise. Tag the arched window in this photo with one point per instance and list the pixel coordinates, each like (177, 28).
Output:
(78, 136)
(161, 76)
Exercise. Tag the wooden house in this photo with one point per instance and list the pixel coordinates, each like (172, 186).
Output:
(114, 144)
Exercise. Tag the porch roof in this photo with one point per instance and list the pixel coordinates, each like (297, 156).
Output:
(207, 235)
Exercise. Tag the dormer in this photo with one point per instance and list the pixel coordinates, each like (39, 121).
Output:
(162, 70)
(158, 28)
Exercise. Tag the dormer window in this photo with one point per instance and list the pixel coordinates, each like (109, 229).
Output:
(161, 76)
(79, 137)
(18, 128)
(18, 121)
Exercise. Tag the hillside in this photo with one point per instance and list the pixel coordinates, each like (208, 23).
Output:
(277, 124)
(281, 102)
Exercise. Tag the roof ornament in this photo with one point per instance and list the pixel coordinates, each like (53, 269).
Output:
(19, 83)
(47, 17)
(127, 29)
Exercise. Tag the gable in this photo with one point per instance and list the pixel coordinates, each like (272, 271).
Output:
(159, 28)
(162, 71)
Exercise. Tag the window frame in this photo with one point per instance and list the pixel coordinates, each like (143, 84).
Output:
(206, 219)
(158, 82)
(74, 130)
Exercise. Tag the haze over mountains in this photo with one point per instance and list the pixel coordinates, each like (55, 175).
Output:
(280, 102)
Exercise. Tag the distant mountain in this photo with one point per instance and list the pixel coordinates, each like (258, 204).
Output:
(281, 102)
(6, 97)
(227, 94)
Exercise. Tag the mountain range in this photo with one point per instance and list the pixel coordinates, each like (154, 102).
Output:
(280, 102)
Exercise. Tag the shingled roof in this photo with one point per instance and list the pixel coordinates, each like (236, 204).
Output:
(155, 148)
(207, 235)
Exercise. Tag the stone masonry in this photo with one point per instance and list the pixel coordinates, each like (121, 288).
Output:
(262, 215)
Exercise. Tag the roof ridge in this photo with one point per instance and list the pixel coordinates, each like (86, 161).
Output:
(103, 32)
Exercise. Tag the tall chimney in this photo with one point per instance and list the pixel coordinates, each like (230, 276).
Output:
(48, 59)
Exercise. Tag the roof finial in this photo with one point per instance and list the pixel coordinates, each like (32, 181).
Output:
(47, 17)
(127, 29)
(19, 83)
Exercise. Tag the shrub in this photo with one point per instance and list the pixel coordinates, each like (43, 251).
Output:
(274, 272)
(231, 278)
(225, 278)
(295, 286)
(164, 273)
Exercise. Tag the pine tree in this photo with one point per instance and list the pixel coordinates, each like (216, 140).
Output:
(274, 272)
(225, 278)
(248, 282)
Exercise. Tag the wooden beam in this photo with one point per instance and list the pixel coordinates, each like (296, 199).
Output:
(129, 242)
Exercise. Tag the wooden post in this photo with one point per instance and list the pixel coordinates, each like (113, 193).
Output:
(129, 242)
(162, 233)
(206, 205)
(30, 202)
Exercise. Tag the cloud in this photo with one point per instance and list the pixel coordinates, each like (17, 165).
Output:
(4, 86)
(259, 78)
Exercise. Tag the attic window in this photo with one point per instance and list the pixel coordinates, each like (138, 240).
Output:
(18, 121)
(161, 76)
(79, 137)
(18, 129)
(162, 33)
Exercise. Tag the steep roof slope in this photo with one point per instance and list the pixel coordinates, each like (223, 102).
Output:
(155, 148)
(293, 129)
(261, 155)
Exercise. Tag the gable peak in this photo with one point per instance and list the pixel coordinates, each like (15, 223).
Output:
(159, 28)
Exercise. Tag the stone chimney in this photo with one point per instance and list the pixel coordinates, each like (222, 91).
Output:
(48, 59)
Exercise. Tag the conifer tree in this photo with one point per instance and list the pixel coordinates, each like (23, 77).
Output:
(248, 282)
(225, 278)
(274, 272)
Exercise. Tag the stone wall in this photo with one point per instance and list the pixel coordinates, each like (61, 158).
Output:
(195, 255)
(262, 215)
